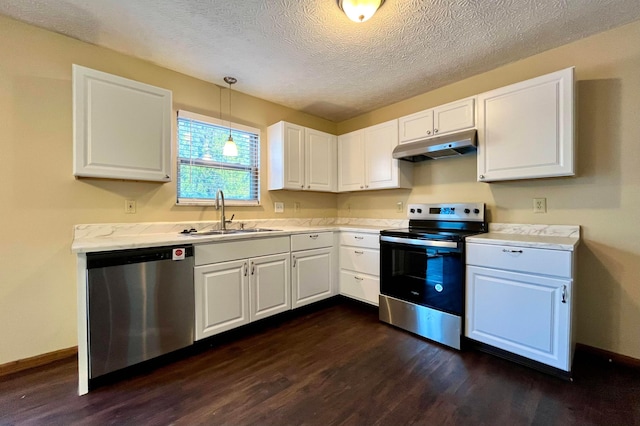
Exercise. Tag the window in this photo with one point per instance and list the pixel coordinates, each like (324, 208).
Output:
(202, 169)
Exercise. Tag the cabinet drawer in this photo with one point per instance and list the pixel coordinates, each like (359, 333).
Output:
(362, 260)
(360, 239)
(521, 259)
(311, 240)
(359, 286)
(239, 249)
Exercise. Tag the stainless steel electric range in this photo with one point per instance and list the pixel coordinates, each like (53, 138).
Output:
(422, 270)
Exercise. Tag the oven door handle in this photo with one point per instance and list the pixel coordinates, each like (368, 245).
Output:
(417, 242)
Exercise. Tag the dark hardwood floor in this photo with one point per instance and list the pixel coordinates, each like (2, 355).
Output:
(335, 365)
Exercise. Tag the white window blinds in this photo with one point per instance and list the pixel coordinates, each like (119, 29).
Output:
(203, 169)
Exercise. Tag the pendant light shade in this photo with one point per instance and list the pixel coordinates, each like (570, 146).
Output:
(230, 148)
(359, 10)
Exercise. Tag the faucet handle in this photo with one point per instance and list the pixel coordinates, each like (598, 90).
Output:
(232, 216)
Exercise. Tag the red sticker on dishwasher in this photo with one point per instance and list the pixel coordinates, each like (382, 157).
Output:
(178, 254)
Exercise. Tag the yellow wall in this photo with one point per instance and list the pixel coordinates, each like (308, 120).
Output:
(41, 200)
(604, 198)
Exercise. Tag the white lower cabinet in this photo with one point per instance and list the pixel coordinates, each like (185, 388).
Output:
(311, 268)
(360, 266)
(519, 299)
(232, 289)
(222, 299)
(269, 288)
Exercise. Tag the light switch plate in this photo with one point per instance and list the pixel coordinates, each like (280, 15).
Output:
(278, 207)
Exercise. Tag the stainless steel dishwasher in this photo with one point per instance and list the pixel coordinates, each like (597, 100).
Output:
(140, 305)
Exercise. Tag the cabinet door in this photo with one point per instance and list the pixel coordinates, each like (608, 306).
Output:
(311, 273)
(416, 126)
(351, 161)
(270, 292)
(122, 128)
(525, 314)
(293, 156)
(222, 298)
(381, 170)
(454, 117)
(365, 288)
(526, 130)
(320, 161)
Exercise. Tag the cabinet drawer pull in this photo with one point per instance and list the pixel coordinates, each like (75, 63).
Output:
(245, 269)
(314, 236)
(253, 268)
(358, 238)
(358, 252)
(511, 251)
(564, 294)
(358, 278)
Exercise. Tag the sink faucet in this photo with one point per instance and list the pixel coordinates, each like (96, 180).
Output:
(223, 219)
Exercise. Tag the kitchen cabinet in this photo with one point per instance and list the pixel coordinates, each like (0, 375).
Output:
(365, 160)
(526, 130)
(360, 266)
(311, 267)
(121, 128)
(301, 158)
(520, 300)
(449, 118)
(239, 282)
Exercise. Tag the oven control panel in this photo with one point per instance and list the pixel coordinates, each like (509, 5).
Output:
(451, 212)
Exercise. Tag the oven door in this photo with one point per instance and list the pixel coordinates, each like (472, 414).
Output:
(425, 272)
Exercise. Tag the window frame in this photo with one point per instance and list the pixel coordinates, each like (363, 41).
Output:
(224, 124)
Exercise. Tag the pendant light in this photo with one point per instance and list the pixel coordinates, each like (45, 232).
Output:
(230, 148)
(359, 10)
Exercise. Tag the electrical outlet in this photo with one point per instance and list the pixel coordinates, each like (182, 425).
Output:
(296, 206)
(130, 206)
(399, 206)
(539, 205)
(278, 207)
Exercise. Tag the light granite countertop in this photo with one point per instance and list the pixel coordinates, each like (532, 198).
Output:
(554, 237)
(118, 236)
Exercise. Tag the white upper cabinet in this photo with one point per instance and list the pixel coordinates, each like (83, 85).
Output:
(365, 161)
(444, 119)
(526, 130)
(121, 128)
(301, 158)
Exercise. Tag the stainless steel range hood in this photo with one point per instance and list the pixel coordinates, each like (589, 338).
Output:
(452, 145)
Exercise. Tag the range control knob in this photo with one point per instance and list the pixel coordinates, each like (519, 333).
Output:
(419, 210)
(476, 211)
(467, 211)
(412, 210)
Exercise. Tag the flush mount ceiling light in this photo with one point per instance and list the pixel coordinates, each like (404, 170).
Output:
(230, 148)
(359, 10)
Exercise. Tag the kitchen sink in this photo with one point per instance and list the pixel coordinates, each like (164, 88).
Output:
(227, 231)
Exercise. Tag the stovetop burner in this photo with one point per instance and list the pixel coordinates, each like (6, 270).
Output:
(447, 222)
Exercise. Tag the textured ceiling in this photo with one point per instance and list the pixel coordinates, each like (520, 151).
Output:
(307, 55)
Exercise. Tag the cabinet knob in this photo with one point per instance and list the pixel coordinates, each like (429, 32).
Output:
(481, 176)
(366, 186)
(428, 132)
(308, 186)
(361, 187)
(435, 130)
(302, 186)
